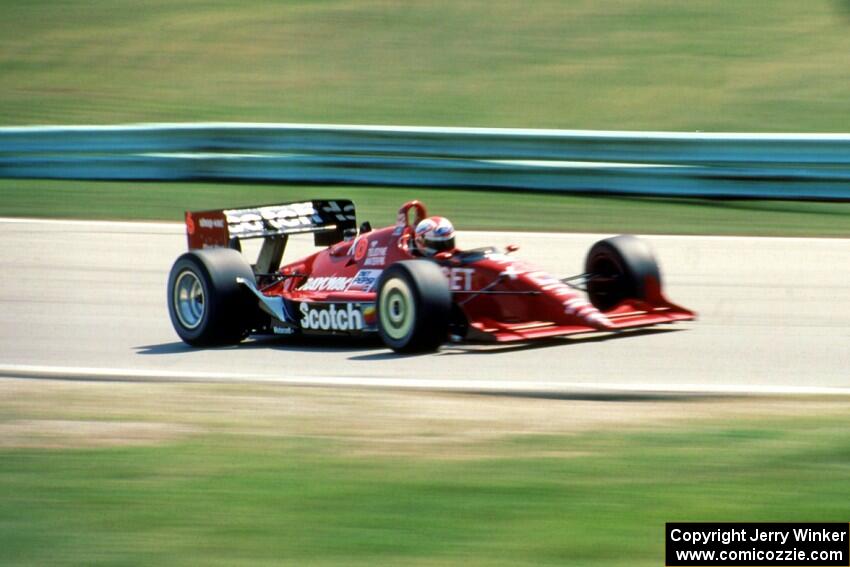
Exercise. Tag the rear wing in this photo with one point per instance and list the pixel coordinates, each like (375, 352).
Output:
(328, 220)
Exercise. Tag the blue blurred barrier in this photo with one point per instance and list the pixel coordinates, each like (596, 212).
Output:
(803, 166)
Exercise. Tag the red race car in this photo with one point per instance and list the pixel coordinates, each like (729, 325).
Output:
(406, 282)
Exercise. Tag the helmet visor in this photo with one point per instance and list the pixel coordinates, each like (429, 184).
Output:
(441, 244)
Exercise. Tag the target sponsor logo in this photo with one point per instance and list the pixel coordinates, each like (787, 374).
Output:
(331, 317)
(460, 279)
(359, 248)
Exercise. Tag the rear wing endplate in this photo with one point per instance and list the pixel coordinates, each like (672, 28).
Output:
(327, 220)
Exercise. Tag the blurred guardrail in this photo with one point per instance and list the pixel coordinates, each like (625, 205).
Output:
(804, 166)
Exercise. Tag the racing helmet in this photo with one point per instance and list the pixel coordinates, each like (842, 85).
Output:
(433, 235)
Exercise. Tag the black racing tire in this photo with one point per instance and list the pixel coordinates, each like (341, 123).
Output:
(206, 305)
(413, 306)
(622, 267)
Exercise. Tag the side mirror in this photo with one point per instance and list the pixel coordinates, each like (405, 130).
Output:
(511, 248)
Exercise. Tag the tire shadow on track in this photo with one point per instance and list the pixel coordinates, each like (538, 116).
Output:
(451, 349)
(359, 344)
(293, 344)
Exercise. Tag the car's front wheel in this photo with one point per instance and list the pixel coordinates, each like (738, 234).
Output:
(206, 304)
(622, 267)
(413, 306)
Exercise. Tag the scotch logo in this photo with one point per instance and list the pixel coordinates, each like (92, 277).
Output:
(342, 317)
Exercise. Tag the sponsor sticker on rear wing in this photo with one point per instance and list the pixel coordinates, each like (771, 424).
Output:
(328, 220)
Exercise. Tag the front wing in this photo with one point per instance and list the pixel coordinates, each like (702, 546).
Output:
(631, 314)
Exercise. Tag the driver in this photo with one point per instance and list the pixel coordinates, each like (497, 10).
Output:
(434, 235)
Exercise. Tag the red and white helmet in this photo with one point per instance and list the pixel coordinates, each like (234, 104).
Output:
(433, 235)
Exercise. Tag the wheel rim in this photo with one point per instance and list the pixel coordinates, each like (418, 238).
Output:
(189, 300)
(396, 309)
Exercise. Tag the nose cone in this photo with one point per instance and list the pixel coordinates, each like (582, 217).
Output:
(570, 301)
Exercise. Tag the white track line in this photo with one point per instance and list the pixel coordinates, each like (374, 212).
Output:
(536, 132)
(96, 224)
(458, 386)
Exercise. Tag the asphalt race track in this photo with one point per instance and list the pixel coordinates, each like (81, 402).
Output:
(86, 300)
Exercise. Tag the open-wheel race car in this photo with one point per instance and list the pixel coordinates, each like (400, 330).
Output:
(406, 282)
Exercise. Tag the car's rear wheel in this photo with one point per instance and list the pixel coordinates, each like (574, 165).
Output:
(206, 305)
(622, 267)
(413, 306)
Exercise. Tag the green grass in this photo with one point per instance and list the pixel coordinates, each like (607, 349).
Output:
(237, 500)
(712, 65)
(468, 209)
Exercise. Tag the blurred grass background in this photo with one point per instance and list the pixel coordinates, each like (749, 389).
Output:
(711, 65)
